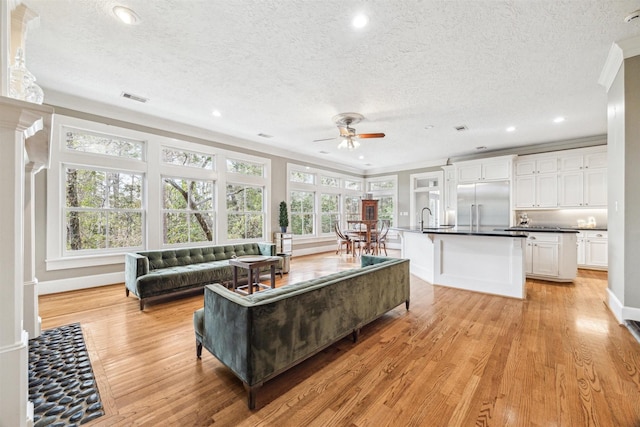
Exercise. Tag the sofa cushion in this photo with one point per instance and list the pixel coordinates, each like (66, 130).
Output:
(165, 280)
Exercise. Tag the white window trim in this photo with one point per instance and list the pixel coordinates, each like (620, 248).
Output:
(393, 192)
(153, 169)
(319, 189)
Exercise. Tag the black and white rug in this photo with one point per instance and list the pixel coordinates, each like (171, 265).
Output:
(61, 382)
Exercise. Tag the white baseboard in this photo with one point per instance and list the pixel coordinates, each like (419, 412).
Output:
(621, 312)
(631, 313)
(615, 306)
(76, 283)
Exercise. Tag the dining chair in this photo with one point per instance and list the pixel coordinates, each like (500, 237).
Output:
(343, 239)
(380, 239)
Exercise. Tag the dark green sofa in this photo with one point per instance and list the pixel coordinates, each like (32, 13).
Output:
(151, 274)
(261, 335)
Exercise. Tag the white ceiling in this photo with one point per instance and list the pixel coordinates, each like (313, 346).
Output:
(286, 67)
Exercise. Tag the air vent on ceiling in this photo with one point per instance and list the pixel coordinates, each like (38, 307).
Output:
(134, 97)
(264, 135)
(323, 152)
(461, 128)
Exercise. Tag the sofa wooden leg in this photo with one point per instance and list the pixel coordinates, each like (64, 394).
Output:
(406, 304)
(251, 394)
(126, 291)
(141, 304)
(355, 335)
(198, 349)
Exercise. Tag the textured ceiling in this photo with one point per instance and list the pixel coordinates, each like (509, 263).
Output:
(285, 68)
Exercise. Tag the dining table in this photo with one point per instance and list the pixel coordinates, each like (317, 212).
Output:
(363, 228)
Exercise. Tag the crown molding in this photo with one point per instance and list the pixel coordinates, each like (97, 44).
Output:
(619, 51)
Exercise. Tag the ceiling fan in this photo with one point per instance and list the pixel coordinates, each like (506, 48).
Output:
(348, 134)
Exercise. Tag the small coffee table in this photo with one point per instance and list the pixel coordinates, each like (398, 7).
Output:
(253, 263)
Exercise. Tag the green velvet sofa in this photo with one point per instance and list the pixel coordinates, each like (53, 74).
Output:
(151, 274)
(261, 335)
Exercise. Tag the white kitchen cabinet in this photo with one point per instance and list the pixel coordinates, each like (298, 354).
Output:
(450, 184)
(494, 169)
(535, 165)
(536, 191)
(551, 256)
(593, 249)
(583, 178)
(583, 188)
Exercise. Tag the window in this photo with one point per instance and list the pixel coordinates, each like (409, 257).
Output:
(302, 212)
(352, 185)
(329, 212)
(187, 210)
(385, 190)
(108, 145)
(245, 212)
(329, 181)
(352, 208)
(186, 158)
(103, 209)
(302, 177)
(245, 168)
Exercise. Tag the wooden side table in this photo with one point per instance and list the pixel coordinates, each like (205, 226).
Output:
(253, 263)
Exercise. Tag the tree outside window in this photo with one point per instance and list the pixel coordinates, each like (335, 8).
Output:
(187, 210)
(302, 212)
(352, 208)
(245, 212)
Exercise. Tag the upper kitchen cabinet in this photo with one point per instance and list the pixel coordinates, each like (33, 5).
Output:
(536, 182)
(530, 165)
(491, 169)
(583, 179)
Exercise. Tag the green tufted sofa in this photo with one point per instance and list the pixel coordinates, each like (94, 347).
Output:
(261, 335)
(151, 274)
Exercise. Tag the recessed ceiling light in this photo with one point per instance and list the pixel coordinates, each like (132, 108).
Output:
(511, 128)
(361, 157)
(323, 152)
(216, 113)
(558, 120)
(360, 21)
(126, 15)
(461, 128)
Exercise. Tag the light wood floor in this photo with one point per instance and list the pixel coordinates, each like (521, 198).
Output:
(455, 358)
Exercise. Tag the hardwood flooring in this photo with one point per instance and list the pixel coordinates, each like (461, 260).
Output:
(456, 358)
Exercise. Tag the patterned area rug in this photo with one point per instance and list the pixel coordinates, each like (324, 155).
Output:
(61, 382)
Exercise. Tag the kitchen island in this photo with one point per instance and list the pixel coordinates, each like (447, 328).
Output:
(488, 261)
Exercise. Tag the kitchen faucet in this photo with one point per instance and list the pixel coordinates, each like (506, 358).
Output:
(422, 217)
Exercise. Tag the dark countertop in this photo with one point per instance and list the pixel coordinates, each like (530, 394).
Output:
(459, 231)
(546, 229)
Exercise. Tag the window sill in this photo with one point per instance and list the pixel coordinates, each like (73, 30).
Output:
(84, 261)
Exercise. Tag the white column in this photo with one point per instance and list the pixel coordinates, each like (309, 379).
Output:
(31, 318)
(18, 121)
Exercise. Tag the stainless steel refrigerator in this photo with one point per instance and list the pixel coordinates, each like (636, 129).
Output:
(483, 205)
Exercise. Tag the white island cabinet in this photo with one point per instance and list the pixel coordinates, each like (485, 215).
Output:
(491, 262)
(552, 256)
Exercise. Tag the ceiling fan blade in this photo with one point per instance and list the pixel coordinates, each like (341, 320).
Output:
(325, 139)
(371, 135)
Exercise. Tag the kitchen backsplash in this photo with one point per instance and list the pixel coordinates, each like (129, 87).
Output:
(563, 217)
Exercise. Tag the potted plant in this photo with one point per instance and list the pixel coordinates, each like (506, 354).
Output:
(283, 220)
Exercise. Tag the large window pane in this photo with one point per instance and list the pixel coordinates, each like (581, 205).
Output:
(103, 209)
(302, 212)
(329, 211)
(188, 210)
(245, 211)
